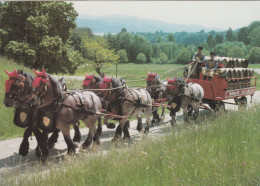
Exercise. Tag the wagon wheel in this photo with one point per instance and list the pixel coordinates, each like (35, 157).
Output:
(218, 106)
(242, 102)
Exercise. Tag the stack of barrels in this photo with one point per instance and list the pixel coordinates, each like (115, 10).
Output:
(236, 72)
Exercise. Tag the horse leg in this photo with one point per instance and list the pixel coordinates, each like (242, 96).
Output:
(42, 148)
(190, 109)
(24, 147)
(65, 128)
(126, 130)
(173, 115)
(196, 107)
(99, 129)
(77, 135)
(90, 123)
(139, 126)
(109, 125)
(53, 139)
(185, 113)
(156, 117)
(148, 120)
(119, 130)
(162, 114)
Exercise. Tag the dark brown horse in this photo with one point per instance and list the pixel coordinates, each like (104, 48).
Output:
(157, 91)
(127, 103)
(17, 93)
(186, 96)
(66, 108)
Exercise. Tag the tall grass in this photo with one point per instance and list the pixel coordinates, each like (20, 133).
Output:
(220, 151)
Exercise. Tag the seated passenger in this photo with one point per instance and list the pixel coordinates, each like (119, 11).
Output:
(197, 59)
(210, 68)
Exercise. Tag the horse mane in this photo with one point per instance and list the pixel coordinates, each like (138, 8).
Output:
(98, 79)
(157, 80)
(29, 77)
(56, 85)
(117, 83)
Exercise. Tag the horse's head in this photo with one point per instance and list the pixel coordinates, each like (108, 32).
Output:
(174, 86)
(40, 85)
(152, 79)
(89, 81)
(15, 88)
(107, 84)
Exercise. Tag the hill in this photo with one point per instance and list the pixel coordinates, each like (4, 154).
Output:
(114, 24)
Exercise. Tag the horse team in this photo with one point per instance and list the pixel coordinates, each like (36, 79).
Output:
(44, 104)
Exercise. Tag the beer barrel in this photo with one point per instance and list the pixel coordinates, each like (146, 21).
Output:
(245, 63)
(239, 63)
(233, 73)
(225, 63)
(245, 74)
(229, 74)
(235, 63)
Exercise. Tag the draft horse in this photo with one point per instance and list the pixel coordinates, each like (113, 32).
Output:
(186, 96)
(127, 103)
(157, 90)
(66, 108)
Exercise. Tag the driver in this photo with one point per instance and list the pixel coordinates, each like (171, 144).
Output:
(210, 68)
(197, 59)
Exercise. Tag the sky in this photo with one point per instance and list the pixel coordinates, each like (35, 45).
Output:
(217, 14)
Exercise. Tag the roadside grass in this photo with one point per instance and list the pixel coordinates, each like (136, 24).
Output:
(220, 151)
(8, 129)
(135, 74)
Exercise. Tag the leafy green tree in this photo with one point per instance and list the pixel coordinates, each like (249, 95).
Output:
(170, 38)
(254, 55)
(242, 35)
(122, 56)
(98, 54)
(184, 56)
(229, 35)
(219, 38)
(255, 37)
(162, 58)
(253, 25)
(236, 51)
(37, 34)
(211, 41)
(141, 58)
(123, 30)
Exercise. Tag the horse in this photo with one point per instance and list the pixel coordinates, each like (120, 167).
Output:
(186, 96)
(126, 103)
(157, 91)
(66, 108)
(17, 93)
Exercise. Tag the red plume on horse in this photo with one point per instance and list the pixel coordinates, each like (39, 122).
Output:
(88, 79)
(40, 77)
(151, 76)
(12, 76)
(171, 83)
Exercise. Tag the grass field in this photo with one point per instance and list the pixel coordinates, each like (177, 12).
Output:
(254, 66)
(220, 151)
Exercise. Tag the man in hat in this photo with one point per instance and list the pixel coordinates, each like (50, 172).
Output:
(197, 59)
(211, 67)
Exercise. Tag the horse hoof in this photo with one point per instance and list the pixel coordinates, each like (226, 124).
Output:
(24, 149)
(71, 152)
(139, 128)
(77, 138)
(111, 126)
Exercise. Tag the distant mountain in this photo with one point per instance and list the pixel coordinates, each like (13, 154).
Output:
(114, 24)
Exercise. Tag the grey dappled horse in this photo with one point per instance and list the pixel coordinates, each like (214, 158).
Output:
(186, 96)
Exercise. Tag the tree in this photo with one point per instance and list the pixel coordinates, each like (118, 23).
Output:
(255, 37)
(141, 58)
(211, 41)
(170, 38)
(254, 55)
(236, 52)
(98, 54)
(184, 56)
(162, 58)
(229, 35)
(219, 38)
(37, 34)
(242, 35)
(123, 30)
(122, 56)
